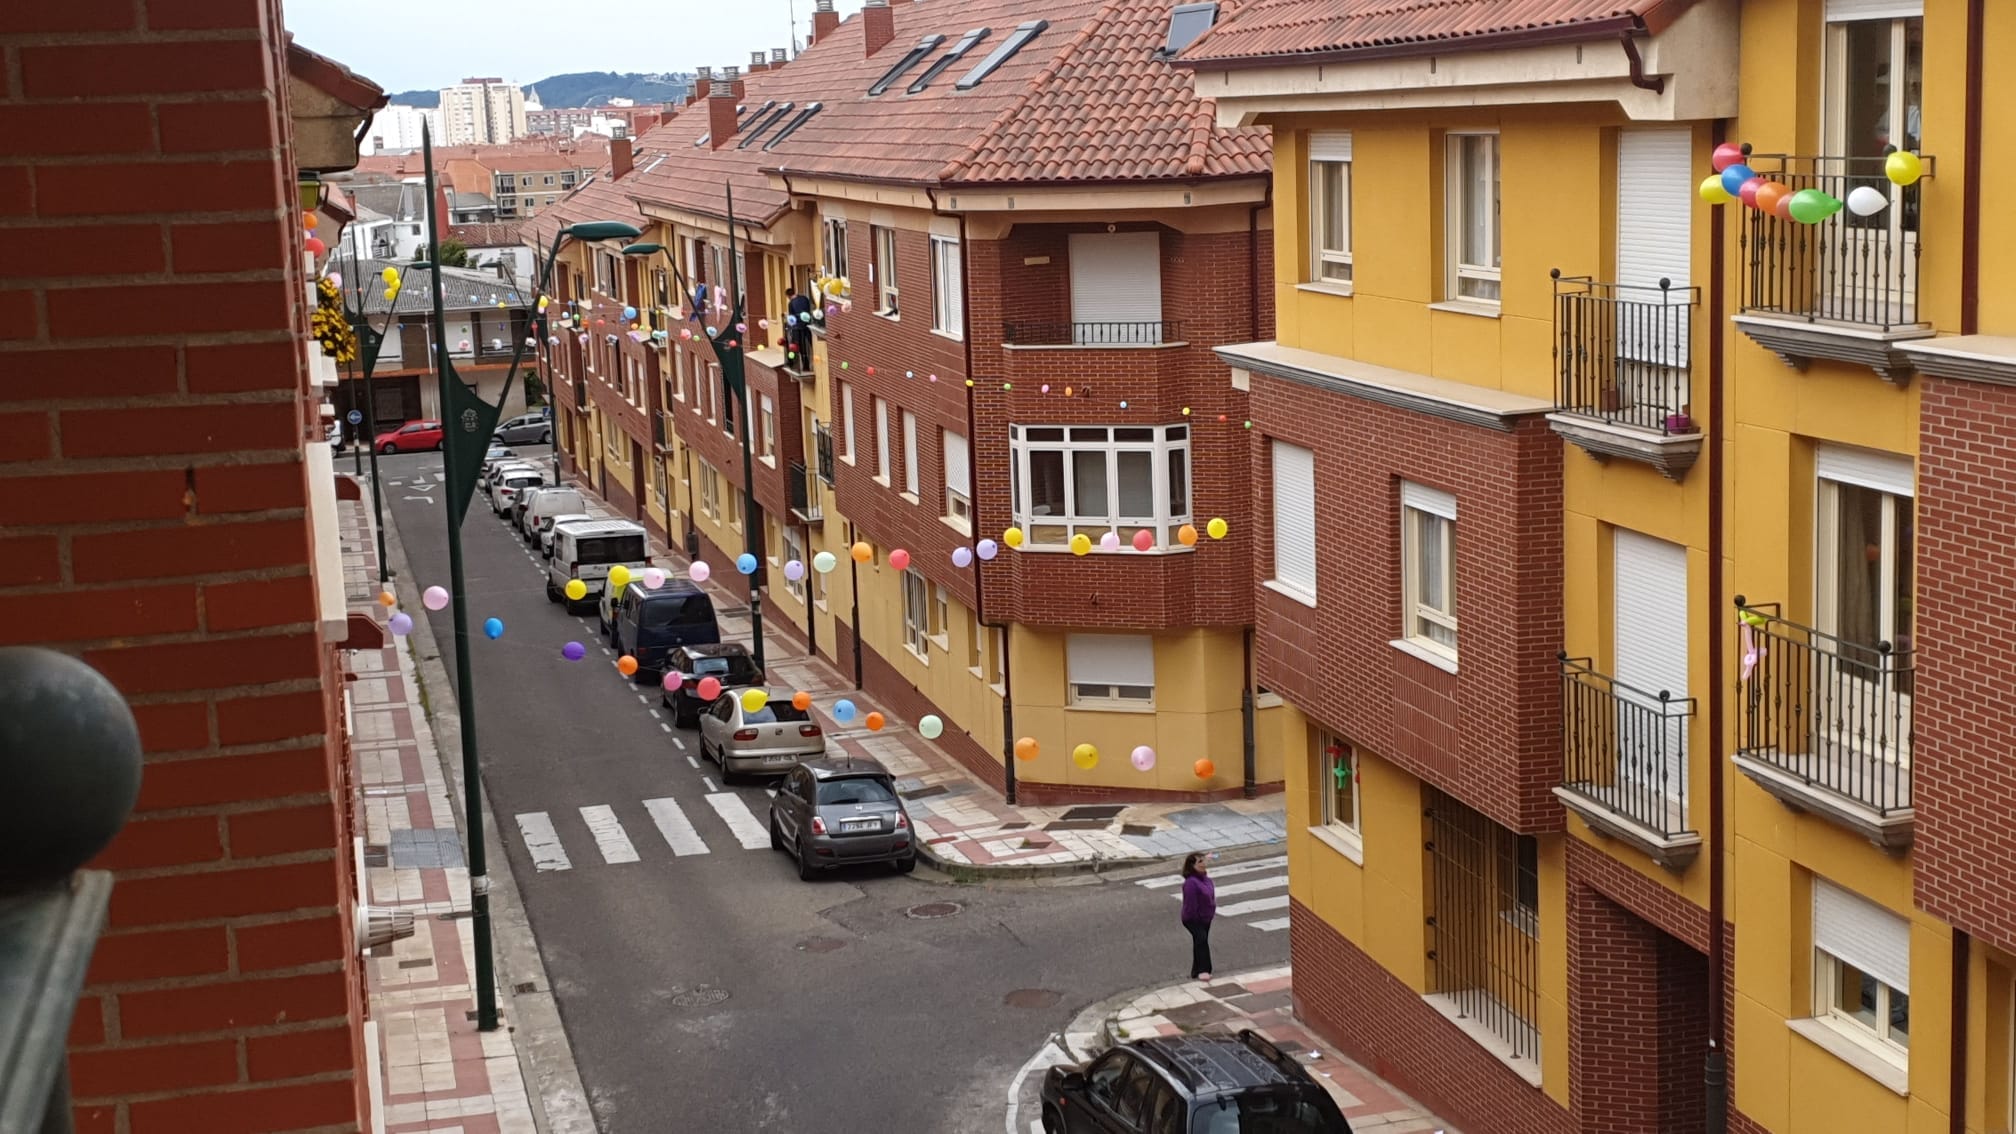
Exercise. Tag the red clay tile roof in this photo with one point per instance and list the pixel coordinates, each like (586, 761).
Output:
(1312, 30)
(494, 234)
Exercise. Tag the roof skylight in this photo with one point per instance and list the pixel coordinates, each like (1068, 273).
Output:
(958, 52)
(1023, 33)
(910, 59)
(797, 120)
(1187, 22)
(764, 123)
(743, 124)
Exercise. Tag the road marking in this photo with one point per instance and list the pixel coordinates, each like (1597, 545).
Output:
(609, 837)
(748, 830)
(1269, 925)
(653, 712)
(1049, 1056)
(677, 829)
(771, 792)
(693, 760)
(543, 841)
(1249, 887)
(680, 745)
(428, 499)
(1277, 902)
(645, 701)
(667, 728)
(709, 781)
(1217, 872)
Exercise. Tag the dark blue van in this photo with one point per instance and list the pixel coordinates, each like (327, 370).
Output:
(650, 624)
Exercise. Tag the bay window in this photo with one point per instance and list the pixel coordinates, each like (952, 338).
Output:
(1098, 479)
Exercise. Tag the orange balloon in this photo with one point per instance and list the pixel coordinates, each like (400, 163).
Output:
(801, 700)
(1187, 535)
(1025, 748)
(626, 665)
(1769, 194)
(1205, 769)
(863, 553)
(874, 722)
(386, 598)
(309, 221)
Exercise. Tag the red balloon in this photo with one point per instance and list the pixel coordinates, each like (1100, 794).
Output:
(1748, 193)
(710, 688)
(1726, 155)
(314, 244)
(1782, 207)
(899, 559)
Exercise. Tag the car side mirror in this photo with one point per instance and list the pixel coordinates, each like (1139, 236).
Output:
(1072, 1080)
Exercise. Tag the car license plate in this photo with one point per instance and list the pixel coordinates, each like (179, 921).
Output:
(860, 824)
(785, 759)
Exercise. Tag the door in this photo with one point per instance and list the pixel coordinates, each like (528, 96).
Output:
(1655, 205)
(1871, 106)
(1116, 287)
(1649, 621)
(1864, 560)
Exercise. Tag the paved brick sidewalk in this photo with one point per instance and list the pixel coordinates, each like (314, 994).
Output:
(969, 827)
(1260, 1000)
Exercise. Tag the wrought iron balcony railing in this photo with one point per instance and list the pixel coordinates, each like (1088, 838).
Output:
(1149, 333)
(1625, 748)
(1859, 271)
(804, 495)
(1829, 713)
(1622, 353)
(661, 430)
(822, 443)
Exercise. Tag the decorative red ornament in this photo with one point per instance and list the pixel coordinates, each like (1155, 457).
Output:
(314, 244)
(871, 372)
(1221, 417)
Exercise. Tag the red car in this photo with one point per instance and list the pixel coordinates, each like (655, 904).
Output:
(411, 437)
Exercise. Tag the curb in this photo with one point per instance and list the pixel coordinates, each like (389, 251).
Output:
(539, 1038)
(967, 872)
(1098, 1018)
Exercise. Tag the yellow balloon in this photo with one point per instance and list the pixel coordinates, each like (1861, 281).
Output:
(1012, 537)
(1903, 167)
(1712, 192)
(390, 275)
(753, 700)
(390, 295)
(576, 590)
(1085, 756)
(619, 576)
(1081, 544)
(1217, 527)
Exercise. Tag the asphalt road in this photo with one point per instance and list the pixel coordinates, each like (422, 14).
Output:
(715, 991)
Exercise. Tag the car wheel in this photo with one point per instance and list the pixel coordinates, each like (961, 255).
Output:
(441, 445)
(552, 592)
(1053, 1122)
(905, 865)
(546, 438)
(388, 448)
(806, 871)
(776, 836)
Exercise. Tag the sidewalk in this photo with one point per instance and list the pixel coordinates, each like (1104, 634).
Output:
(1259, 1000)
(970, 831)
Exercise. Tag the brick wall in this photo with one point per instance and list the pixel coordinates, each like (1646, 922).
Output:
(1614, 1022)
(1488, 734)
(1963, 784)
(1683, 1037)
(153, 421)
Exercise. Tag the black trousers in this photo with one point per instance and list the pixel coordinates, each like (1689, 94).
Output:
(1200, 947)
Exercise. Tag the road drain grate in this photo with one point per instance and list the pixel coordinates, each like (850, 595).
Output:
(930, 910)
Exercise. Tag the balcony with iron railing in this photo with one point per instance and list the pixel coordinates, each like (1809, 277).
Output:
(822, 444)
(661, 430)
(1624, 762)
(1844, 288)
(803, 494)
(1825, 723)
(1146, 333)
(1623, 371)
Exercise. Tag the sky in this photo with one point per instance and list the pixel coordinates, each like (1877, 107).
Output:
(408, 44)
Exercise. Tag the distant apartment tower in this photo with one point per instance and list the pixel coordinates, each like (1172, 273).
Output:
(397, 128)
(480, 111)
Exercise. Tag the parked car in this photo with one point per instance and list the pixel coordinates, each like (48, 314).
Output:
(830, 813)
(496, 473)
(548, 523)
(766, 741)
(1192, 1084)
(496, 454)
(515, 516)
(526, 429)
(652, 626)
(726, 662)
(553, 500)
(586, 550)
(412, 437)
(504, 494)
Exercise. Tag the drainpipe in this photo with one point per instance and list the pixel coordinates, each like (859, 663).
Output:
(1970, 315)
(1246, 715)
(1246, 706)
(1639, 79)
(854, 596)
(1715, 1070)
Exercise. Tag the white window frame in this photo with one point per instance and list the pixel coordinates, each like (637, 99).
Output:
(1893, 477)
(976, 645)
(710, 491)
(998, 680)
(948, 288)
(1467, 282)
(1330, 749)
(1110, 691)
(835, 251)
(888, 297)
(1427, 513)
(767, 414)
(1289, 574)
(958, 505)
(916, 615)
(1329, 253)
(941, 618)
(794, 548)
(1055, 531)
(1832, 960)
(912, 481)
(847, 447)
(882, 441)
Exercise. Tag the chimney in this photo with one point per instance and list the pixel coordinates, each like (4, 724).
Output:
(778, 57)
(824, 21)
(758, 61)
(703, 81)
(619, 158)
(721, 102)
(878, 25)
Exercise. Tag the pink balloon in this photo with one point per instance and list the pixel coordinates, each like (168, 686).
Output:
(1143, 758)
(1110, 541)
(899, 559)
(673, 680)
(710, 688)
(654, 578)
(1144, 540)
(699, 571)
(434, 598)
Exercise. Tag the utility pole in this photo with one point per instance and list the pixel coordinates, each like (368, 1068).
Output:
(751, 511)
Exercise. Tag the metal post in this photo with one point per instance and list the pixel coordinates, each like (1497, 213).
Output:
(465, 691)
(750, 513)
(371, 407)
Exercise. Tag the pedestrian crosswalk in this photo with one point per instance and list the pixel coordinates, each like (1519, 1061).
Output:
(601, 827)
(1234, 883)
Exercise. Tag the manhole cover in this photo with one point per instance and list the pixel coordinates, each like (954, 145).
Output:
(1032, 998)
(929, 910)
(821, 945)
(699, 997)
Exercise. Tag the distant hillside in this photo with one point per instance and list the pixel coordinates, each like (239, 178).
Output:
(584, 88)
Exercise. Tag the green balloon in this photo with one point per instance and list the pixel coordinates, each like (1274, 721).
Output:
(1811, 206)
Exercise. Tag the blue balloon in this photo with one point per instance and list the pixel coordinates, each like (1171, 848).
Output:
(1734, 177)
(745, 563)
(843, 710)
(493, 628)
(629, 312)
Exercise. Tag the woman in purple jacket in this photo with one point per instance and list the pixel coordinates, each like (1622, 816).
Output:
(1200, 905)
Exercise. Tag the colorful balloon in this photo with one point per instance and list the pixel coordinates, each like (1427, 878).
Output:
(1768, 195)
(824, 562)
(673, 680)
(794, 570)
(874, 722)
(710, 688)
(493, 628)
(1713, 191)
(1867, 201)
(1085, 756)
(626, 665)
(843, 710)
(1747, 193)
(1734, 176)
(1110, 541)
(653, 578)
(387, 598)
(986, 549)
(1205, 769)
(401, 624)
(753, 700)
(619, 576)
(1025, 748)
(930, 727)
(746, 563)
(1143, 758)
(962, 557)
(899, 559)
(1012, 537)
(1187, 535)
(1726, 155)
(1217, 528)
(801, 700)
(575, 590)
(573, 651)
(699, 571)
(1081, 544)
(1903, 168)
(1811, 206)
(863, 552)
(1144, 540)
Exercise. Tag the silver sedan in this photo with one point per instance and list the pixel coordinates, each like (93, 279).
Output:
(771, 740)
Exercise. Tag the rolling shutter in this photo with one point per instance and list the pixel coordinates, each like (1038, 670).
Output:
(1116, 287)
(958, 474)
(1841, 11)
(1884, 472)
(1854, 929)
(1649, 620)
(1655, 205)
(1295, 517)
(1110, 659)
(1329, 145)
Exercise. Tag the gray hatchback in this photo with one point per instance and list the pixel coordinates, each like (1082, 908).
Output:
(836, 812)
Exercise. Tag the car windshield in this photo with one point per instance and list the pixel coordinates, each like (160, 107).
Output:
(857, 789)
(1280, 1110)
(612, 549)
(776, 712)
(674, 610)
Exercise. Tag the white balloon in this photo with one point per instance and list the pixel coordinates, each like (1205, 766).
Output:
(1867, 201)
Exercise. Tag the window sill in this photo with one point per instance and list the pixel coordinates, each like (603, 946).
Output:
(1322, 288)
(1123, 549)
(1290, 592)
(820, 603)
(910, 498)
(1524, 1067)
(771, 461)
(1482, 308)
(847, 459)
(881, 480)
(957, 525)
(1837, 1041)
(1428, 654)
(892, 316)
(1343, 840)
(999, 689)
(954, 336)
(943, 642)
(922, 658)
(978, 673)
(1110, 707)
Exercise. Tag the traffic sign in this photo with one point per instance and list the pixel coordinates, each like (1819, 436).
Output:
(354, 417)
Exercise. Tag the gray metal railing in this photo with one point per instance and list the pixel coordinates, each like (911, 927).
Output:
(1848, 269)
(1149, 333)
(803, 495)
(1624, 747)
(1622, 352)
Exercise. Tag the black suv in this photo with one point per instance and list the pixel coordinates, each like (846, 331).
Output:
(1192, 1084)
(726, 662)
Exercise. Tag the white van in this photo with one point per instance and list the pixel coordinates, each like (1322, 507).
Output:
(551, 501)
(586, 550)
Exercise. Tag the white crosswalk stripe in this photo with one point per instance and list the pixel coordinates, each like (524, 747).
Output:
(1277, 862)
(1257, 905)
(741, 821)
(1269, 874)
(543, 842)
(609, 837)
(677, 829)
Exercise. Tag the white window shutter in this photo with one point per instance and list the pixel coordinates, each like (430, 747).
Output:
(958, 472)
(1116, 277)
(1649, 624)
(1329, 145)
(1110, 659)
(1856, 930)
(1655, 205)
(1295, 516)
(1884, 472)
(1433, 501)
(1842, 11)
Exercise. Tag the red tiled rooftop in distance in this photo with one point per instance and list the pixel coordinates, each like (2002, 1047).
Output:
(1278, 29)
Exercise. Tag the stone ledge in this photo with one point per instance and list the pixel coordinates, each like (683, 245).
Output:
(1671, 453)
(1798, 341)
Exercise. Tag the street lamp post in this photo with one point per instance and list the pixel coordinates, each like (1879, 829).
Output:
(370, 341)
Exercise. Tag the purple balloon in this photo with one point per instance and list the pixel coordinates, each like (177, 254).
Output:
(573, 651)
(962, 557)
(794, 570)
(987, 549)
(401, 624)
